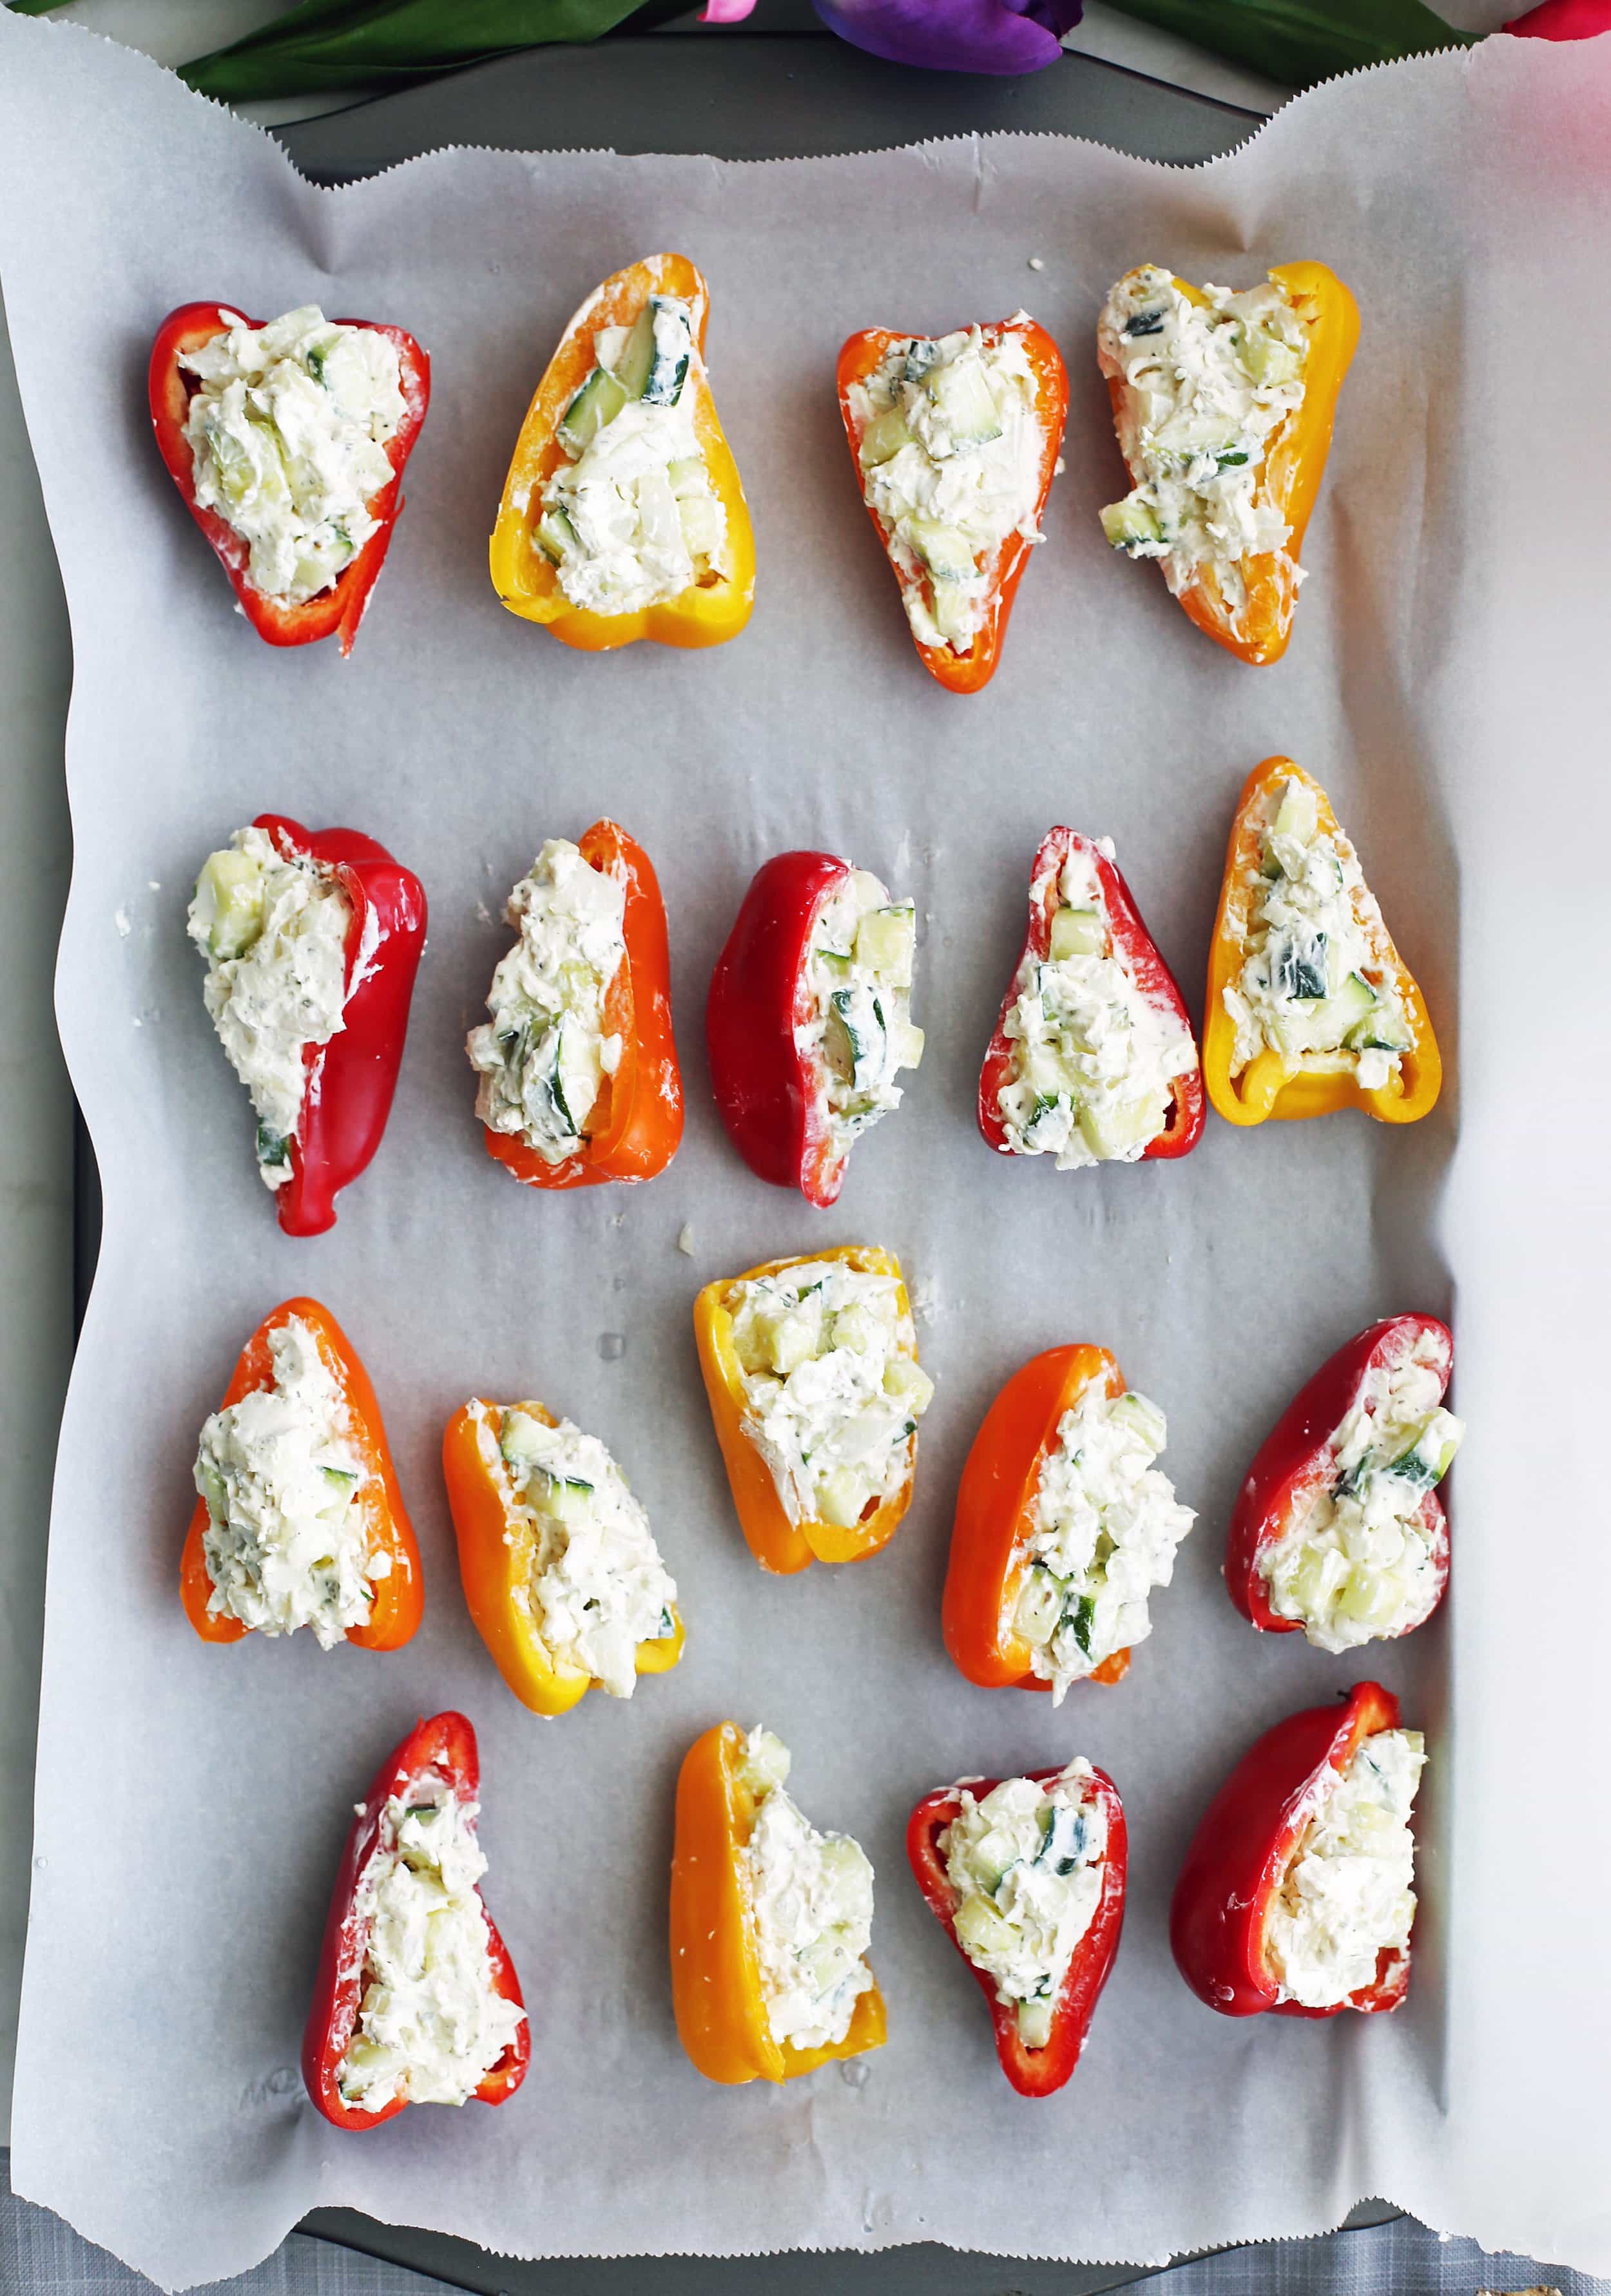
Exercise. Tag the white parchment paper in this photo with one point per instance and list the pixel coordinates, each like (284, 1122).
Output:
(1446, 683)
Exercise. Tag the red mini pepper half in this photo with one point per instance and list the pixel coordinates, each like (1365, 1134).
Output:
(351, 1080)
(1297, 1463)
(1183, 1125)
(341, 607)
(861, 356)
(442, 1749)
(636, 1124)
(1239, 1857)
(1033, 2072)
(775, 1108)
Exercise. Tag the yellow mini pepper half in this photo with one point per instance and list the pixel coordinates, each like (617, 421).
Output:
(1315, 1083)
(525, 578)
(495, 1553)
(716, 1992)
(776, 1541)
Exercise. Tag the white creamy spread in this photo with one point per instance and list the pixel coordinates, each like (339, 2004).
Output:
(597, 1586)
(1358, 1561)
(273, 932)
(858, 1035)
(431, 2023)
(287, 1540)
(1106, 1526)
(951, 450)
(809, 1897)
(545, 1054)
(630, 519)
(1206, 389)
(833, 1390)
(1026, 1864)
(1318, 983)
(1347, 1897)
(1094, 1059)
(288, 434)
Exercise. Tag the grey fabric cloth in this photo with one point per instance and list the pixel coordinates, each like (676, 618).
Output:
(41, 2256)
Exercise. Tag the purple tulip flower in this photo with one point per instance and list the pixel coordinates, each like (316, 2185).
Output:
(974, 35)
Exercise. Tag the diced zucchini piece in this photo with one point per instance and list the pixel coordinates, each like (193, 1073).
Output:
(992, 1855)
(1317, 1579)
(229, 902)
(273, 1149)
(1062, 1844)
(922, 353)
(340, 1479)
(791, 1337)
(942, 550)
(213, 1491)
(702, 524)
(1113, 1129)
(861, 1019)
(1038, 1607)
(566, 1497)
(1078, 933)
(686, 476)
(980, 1929)
(1384, 1031)
(1035, 2023)
(1267, 359)
(1371, 1597)
(884, 436)
(1297, 815)
(841, 1497)
(520, 1438)
(1429, 1457)
(961, 392)
(1131, 524)
(554, 534)
(1141, 1416)
(599, 401)
(654, 363)
(904, 1379)
(1150, 320)
(834, 959)
(1344, 1009)
(765, 1764)
(844, 1861)
(953, 610)
(1079, 1618)
(1297, 970)
(886, 941)
(910, 1054)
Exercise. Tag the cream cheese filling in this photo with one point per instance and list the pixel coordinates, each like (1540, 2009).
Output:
(1347, 1898)
(1026, 1862)
(858, 1035)
(809, 1901)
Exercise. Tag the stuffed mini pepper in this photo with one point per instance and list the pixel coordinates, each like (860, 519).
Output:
(416, 2001)
(1027, 1876)
(578, 1065)
(770, 1920)
(1296, 1891)
(816, 1391)
(312, 941)
(1093, 1060)
(1338, 1531)
(622, 515)
(1310, 1006)
(1224, 404)
(561, 1572)
(956, 439)
(287, 442)
(1063, 1527)
(808, 1019)
(299, 1521)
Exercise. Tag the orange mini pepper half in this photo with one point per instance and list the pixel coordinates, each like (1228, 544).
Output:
(716, 1990)
(708, 612)
(635, 1126)
(994, 1517)
(1309, 1084)
(497, 1549)
(861, 356)
(399, 1596)
(1257, 631)
(776, 1540)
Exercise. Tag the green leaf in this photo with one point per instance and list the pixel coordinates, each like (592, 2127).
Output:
(328, 44)
(1302, 41)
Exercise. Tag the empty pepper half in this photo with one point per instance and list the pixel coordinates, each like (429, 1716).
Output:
(816, 1391)
(313, 939)
(1310, 1006)
(1093, 1058)
(1026, 1875)
(578, 1069)
(395, 2022)
(1224, 404)
(1295, 1893)
(769, 1920)
(808, 1019)
(561, 1572)
(299, 1521)
(1034, 1598)
(954, 440)
(287, 440)
(622, 515)
(1339, 1532)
